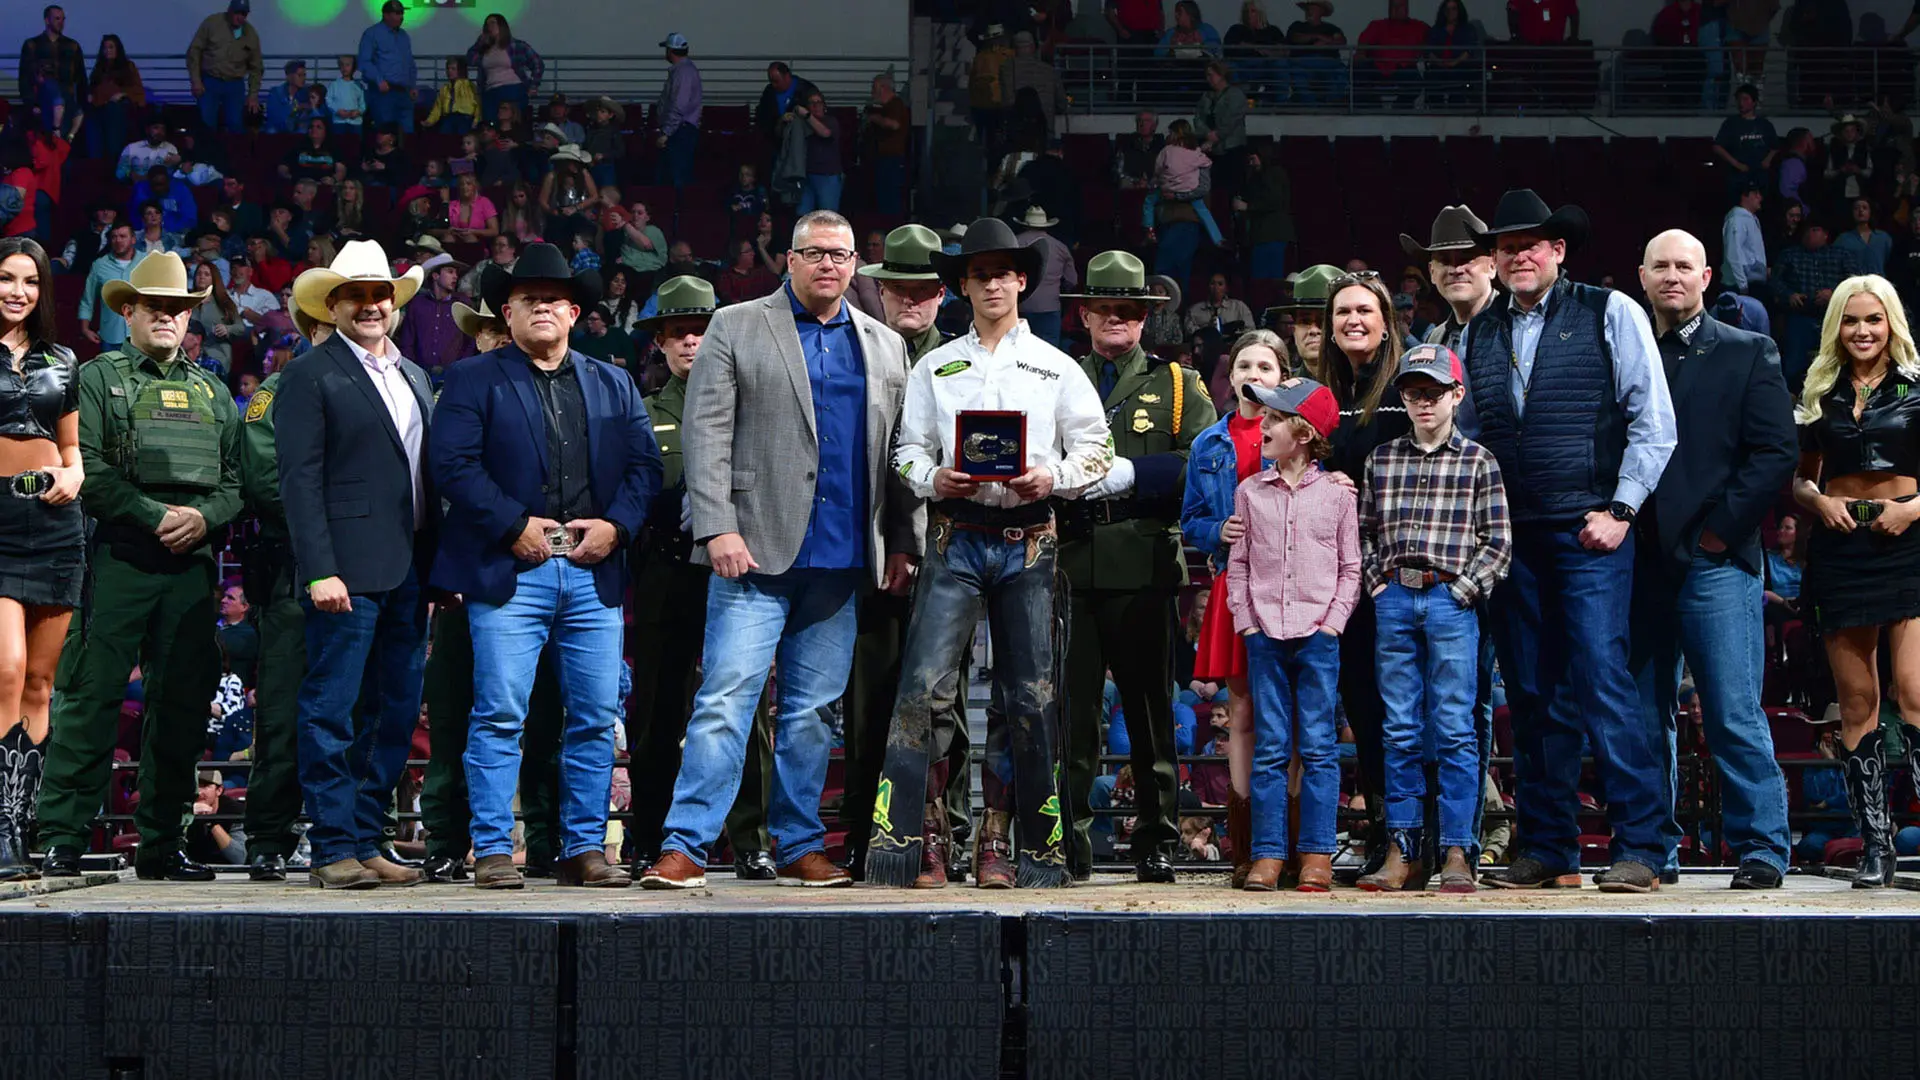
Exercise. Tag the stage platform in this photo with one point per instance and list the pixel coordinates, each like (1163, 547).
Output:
(1111, 979)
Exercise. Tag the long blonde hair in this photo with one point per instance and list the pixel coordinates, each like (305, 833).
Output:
(1832, 357)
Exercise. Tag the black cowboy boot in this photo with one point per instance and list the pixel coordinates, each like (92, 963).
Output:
(1867, 795)
(20, 763)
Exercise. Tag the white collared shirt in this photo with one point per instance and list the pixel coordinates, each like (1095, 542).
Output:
(404, 408)
(1066, 428)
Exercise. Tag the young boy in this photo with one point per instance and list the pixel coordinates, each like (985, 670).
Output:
(584, 257)
(1435, 540)
(1292, 581)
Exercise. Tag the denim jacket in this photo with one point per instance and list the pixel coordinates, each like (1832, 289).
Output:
(1213, 472)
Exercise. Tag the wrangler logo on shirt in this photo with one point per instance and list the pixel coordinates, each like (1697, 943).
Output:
(1031, 370)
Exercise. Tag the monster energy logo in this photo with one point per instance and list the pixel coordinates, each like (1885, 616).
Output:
(883, 806)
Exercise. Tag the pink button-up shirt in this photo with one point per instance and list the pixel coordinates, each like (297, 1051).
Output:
(1298, 568)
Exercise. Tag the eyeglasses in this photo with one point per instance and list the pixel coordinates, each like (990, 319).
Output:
(1425, 395)
(812, 255)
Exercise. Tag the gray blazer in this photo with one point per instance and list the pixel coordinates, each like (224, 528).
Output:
(751, 447)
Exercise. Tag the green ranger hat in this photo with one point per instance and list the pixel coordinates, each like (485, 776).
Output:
(1116, 275)
(908, 257)
(1310, 289)
(680, 297)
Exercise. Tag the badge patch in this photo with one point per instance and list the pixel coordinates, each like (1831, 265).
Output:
(257, 405)
(953, 368)
(1150, 399)
(1142, 424)
(666, 427)
(175, 399)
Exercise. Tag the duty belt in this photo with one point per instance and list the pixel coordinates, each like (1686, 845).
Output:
(1109, 511)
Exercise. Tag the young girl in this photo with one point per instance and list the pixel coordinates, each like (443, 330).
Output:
(1221, 458)
(346, 98)
(456, 108)
(468, 163)
(1182, 173)
(433, 174)
(1292, 580)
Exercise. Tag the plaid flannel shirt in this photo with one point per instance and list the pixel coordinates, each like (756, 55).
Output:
(1807, 271)
(1444, 509)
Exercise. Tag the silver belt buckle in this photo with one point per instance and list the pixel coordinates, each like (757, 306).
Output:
(560, 539)
(31, 485)
(1412, 578)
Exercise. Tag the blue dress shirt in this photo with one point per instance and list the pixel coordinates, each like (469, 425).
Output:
(1639, 385)
(386, 55)
(837, 372)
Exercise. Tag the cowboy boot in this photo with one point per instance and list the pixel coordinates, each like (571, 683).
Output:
(1240, 836)
(20, 763)
(1397, 868)
(936, 842)
(993, 851)
(1867, 796)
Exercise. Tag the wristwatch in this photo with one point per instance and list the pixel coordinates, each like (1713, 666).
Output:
(1620, 511)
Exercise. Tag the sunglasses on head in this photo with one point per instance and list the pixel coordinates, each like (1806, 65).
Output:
(1356, 277)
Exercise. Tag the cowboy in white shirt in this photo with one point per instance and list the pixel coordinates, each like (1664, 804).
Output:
(990, 549)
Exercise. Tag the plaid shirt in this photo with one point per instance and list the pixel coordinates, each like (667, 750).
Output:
(69, 66)
(1444, 509)
(1807, 271)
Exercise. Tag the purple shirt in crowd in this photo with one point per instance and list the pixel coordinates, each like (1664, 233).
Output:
(428, 335)
(680, 98)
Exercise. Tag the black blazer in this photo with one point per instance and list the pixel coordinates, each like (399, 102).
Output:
(1737, 446)
(343, 472)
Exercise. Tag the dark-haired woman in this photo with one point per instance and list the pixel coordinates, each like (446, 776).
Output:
(41, 556)
(506, 68)
(1357, 363)
(117, 93)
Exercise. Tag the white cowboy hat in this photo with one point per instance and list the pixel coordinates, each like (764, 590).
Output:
(572, 152)
(1037, 218)
(359, 260)
(559, 133)
(429, 265)
(160, 275)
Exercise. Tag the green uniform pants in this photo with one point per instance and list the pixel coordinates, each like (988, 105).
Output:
(669, 627)
(1129, 633)
(871, 688)
(444, 809)
(273, 787)
(165, 624)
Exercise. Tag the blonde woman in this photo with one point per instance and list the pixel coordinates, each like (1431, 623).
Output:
(1859, 418)
(349, 210)
(1220, 458)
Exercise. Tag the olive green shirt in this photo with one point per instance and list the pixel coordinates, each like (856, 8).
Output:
(663, 410)
(260, 461)
(1143, 552)
(109, 495)
(928, 340)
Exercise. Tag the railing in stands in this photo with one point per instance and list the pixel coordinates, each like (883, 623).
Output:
(725, 80)
(1497, 79)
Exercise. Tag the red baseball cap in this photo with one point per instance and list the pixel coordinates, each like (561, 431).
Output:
(1309, 400)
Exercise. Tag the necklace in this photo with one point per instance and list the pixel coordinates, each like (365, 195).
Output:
(1864, 388)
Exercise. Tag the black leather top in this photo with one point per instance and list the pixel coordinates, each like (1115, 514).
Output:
(1886, 438)
(46, 388)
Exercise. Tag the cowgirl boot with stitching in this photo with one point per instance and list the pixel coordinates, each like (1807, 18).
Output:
(20, 763)
(1867, 794)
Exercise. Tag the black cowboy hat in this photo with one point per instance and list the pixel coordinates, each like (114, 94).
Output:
(538, 262)
(985, 237)
(1523, 211)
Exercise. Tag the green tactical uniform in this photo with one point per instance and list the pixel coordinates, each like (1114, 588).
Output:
(1122, 559)
(669, 628)
(152, 433)
(872, 685)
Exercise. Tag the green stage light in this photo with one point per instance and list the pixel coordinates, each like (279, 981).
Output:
(311, 12)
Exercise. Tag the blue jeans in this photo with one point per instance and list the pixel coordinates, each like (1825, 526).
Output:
(555, 599)
(1268, 261)
(351, 757)
(492, 96)
(676, 158)
(1045, 326)
(1149, 208)
(1428, 658)
(455, 124)
(1317, 78)
(1294, 684)
(1563, 638)
(107, 128)
(224, 103)
(889, 185)
(1713, 619)
(805, 621)
(1173, 256)
(820, 193)
(1797, 344)
(393, 106)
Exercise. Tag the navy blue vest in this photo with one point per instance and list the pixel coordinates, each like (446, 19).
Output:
(1562, 457)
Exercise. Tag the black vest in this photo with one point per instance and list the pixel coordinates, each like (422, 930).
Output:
(1562, 457)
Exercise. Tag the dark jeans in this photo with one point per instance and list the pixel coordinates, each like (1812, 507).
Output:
(107, 129)
(1797, 343)
(492, 96)
(1563, 638)
(350, 763)
(675, 165)
(889, 185)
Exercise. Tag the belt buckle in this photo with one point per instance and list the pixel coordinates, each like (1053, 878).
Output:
(560, 540)
(1412, 578)
(31, 485)
(1013, 536)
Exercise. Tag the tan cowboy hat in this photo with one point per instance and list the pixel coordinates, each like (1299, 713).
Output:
(160, 275)
(473, 320)
(1036, 218)
(360, 260)
(618, 110)
(307, 324)
(572, 152)
(434, 262)
(426, 243)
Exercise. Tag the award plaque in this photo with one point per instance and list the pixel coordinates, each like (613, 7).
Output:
(990, 446)
(560, 539)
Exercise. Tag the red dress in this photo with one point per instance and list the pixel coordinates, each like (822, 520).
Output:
(1220, 653)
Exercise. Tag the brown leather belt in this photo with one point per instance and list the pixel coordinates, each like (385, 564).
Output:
(1013, 535)
(1412, 577)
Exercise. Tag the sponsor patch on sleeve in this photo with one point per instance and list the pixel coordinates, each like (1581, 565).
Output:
(953, 367)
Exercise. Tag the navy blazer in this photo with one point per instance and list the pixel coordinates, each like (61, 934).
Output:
(489, 461)
(1738, 447)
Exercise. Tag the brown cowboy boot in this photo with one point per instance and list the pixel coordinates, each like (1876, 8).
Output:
(936, 840)
(1240, 836)
(993, 853)
(1456, 875)
(1263, 875)
(1316, 873)
(1397, 873)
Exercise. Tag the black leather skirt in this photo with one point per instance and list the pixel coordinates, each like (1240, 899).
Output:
(42, 551)
(1861, 578)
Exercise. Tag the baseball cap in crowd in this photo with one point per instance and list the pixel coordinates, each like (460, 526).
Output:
(1309, 400)
(238, 7)
(295, 65)
(676, 42)
(1436, 362)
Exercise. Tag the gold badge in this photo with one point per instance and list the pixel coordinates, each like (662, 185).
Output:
(1142, 423)
(258, 404)
(1150, 399)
